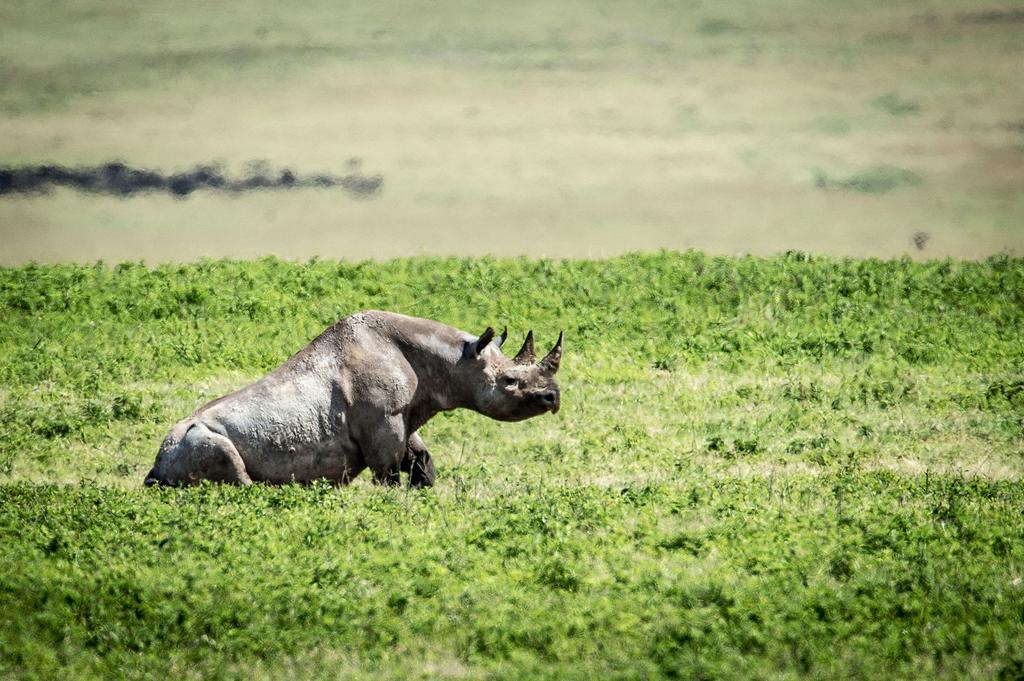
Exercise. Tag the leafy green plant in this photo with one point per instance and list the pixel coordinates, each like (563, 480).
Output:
(763, 467)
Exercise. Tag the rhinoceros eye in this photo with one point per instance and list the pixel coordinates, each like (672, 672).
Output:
(507, 381)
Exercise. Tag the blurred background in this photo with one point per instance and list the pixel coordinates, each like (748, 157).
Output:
(568, 129)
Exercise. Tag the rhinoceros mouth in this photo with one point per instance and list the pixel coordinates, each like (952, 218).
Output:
(530, 410)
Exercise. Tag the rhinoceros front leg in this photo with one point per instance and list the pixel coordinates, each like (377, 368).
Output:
(417, 463)
(384, 450)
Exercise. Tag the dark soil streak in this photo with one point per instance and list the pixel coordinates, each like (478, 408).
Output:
(993, 16)
(118, 179)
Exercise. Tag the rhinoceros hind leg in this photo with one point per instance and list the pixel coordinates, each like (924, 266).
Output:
(201, 455)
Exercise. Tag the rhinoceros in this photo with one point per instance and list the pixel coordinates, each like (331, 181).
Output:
(355, 398)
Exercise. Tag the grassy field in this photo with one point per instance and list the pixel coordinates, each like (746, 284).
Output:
(796, 467)
(536, 128)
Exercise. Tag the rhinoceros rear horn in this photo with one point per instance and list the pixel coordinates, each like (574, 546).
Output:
(502, 337)
(525, 355)
(484, 340)
(551, 361)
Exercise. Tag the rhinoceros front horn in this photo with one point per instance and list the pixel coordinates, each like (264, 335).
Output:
(551, 361)
(525, 355)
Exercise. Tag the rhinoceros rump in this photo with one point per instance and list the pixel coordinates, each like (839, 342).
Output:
(353, 399)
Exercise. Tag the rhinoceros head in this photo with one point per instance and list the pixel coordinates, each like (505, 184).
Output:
(512, 389)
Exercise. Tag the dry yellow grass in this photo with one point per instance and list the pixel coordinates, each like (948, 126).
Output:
(568, 130)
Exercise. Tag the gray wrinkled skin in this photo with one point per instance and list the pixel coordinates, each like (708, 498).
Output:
(353, 399)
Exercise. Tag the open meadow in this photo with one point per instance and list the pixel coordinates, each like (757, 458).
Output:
(783, 240)
(556, 129)
(796, 467)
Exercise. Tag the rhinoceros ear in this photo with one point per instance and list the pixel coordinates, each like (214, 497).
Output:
(525, 355)
(502, 338)
(549, 364)
(484, 340)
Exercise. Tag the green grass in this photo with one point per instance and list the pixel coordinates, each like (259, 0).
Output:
(893, 104)
(763, 468)
(511, 575)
